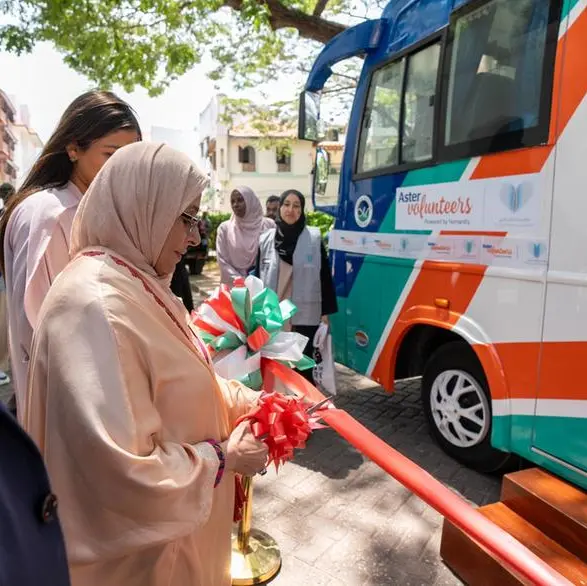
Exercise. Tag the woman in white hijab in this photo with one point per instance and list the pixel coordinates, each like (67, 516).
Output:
(237, 239)
(136, 429)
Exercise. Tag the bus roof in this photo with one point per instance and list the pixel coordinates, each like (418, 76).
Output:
(402, 24)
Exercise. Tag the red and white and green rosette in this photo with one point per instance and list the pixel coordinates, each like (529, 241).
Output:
(243, 325)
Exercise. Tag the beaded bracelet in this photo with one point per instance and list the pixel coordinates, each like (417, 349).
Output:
(221, 459)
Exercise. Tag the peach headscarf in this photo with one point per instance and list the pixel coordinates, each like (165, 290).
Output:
(242, 234)
(134, 201)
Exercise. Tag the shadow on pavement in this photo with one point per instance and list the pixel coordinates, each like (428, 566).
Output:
(397, 419)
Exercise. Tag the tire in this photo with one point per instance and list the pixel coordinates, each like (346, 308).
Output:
(451, 418)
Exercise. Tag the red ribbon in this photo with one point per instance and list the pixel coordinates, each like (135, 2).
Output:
(220, 301)
(283, 423)
(203, 325)
(258, 339)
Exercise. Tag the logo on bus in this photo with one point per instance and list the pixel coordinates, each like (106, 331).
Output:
(363, 211)
(361, 339)
(537, 249)
(516, 197)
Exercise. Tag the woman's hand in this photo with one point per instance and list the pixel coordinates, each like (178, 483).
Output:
(245, 454)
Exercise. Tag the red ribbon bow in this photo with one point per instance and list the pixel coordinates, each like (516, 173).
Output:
(284, 424)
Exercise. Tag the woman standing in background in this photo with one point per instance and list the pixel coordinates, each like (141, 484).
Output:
(237, 239)
(35, 228)
(293, 262)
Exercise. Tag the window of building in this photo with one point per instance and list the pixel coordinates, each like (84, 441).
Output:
(246, 156)
(283, 158)
(380, 129)
(222, 158)
(499, 66)
(419, 105)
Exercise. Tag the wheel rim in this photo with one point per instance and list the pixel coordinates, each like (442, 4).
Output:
(460, 408)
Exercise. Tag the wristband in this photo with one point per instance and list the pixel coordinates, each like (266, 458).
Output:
(221, 460)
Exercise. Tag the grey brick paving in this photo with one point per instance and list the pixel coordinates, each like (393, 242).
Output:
(340, 520)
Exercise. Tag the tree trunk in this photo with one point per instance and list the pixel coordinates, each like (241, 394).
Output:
(308, 26)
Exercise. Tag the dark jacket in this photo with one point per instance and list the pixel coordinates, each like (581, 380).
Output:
(32, 551)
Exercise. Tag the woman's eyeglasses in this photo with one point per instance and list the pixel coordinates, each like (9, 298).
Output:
(191, 222)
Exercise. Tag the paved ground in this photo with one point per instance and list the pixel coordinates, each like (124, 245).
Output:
(339, 520)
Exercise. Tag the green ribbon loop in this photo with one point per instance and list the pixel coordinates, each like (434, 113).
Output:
(227, 341)
(253, 380)
(305, 363)
(263, 310)
(241, 302)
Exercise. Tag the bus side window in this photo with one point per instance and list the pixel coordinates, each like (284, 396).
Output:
(380, 128)
(496, 70)
(381, 145)
(419, 102)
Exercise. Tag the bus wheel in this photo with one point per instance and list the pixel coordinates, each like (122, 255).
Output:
(457, 404)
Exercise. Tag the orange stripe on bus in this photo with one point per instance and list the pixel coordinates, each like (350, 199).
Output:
(512, 163)
(434, 280)
(474, 233)
(515, 374)
(557, 82)
(574, 72)
(561, 371)
(522, 369)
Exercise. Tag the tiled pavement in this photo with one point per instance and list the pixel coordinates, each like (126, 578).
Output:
(341, 521)
(338, 518)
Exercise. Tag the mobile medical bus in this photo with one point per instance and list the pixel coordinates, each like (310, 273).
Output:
(459, 249)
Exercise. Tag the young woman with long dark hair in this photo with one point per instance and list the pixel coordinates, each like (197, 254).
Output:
(35, 228)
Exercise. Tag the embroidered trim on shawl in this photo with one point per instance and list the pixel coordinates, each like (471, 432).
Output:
(134, 273)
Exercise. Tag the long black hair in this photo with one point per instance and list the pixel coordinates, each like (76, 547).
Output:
(88, 118)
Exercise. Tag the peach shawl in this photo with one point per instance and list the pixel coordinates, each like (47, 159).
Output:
(237, 239)
(121, 399)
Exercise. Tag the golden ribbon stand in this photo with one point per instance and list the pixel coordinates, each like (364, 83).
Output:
(255, 555)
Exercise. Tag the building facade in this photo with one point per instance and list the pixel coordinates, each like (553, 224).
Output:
(236, 156)
(8, 140)
(28, 145)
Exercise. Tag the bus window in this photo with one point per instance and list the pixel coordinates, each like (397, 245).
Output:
(419, 98)
(498, 73)
(380, 131)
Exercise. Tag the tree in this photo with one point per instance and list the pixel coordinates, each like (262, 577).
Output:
(149, 43)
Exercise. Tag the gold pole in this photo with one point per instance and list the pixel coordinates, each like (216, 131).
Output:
(255, 554)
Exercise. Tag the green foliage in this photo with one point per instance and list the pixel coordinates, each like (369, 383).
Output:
(149, 43)
(215, 218)
(320, 220)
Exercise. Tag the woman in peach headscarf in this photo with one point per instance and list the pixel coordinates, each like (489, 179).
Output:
(137, 431)
(237, 239)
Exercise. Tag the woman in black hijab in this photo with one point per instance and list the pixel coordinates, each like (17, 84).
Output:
(292, 261)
